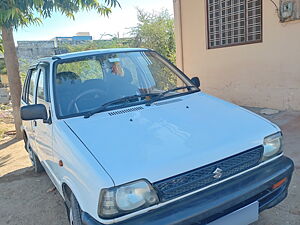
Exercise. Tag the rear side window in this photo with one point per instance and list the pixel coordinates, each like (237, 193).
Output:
(41, 88)
(32, 86)
(25, 87)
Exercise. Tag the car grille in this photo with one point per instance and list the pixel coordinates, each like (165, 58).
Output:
(198, 178)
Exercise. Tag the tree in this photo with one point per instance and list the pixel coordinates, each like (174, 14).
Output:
(18, 13)
(155, 30)
(98, 44)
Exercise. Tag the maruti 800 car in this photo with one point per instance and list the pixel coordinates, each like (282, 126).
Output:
(127, 138)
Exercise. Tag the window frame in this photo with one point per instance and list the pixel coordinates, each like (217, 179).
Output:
(44, 67)
(25, 90)
(26, 86)
(234, 44)
(35, 87)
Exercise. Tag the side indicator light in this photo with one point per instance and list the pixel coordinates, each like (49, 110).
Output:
(279, 183)
(60, 163)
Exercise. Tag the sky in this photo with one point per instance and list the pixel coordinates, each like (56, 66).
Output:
(119, 21)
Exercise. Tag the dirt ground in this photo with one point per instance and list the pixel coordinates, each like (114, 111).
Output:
(29, 199)
(288, 211)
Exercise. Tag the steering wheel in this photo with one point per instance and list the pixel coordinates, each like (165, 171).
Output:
(74, 104)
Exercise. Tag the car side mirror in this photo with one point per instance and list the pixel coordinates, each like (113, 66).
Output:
(34, 112)
(196, 81)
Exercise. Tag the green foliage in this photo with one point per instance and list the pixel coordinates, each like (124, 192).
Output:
(164, 77)
(23, 66)
(155, 31)
(1, 44)
(2, 67)
(86, 69)
(2, 64)
(16, 13)
(99, 44)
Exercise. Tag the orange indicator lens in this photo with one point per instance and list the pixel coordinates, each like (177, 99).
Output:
(278, 184)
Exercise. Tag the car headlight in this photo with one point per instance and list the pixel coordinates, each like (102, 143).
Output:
(272, 146)
(127, 198)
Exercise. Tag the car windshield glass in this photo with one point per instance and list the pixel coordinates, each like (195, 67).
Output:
(84, 84)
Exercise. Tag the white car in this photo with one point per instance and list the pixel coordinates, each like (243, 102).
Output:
(127, 138)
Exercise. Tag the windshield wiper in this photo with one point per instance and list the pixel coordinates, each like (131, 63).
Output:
(161, 95)
(103, 107)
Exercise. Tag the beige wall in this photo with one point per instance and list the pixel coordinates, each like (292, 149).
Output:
(266, 74)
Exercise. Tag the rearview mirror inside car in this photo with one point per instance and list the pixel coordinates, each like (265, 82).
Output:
(34, 112)
(196, 81)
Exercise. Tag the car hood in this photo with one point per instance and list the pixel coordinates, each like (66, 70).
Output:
(170, 136)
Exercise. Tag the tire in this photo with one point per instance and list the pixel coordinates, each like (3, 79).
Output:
(74, 212)
(37, 166)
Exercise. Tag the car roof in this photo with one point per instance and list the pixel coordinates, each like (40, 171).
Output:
(90, 52)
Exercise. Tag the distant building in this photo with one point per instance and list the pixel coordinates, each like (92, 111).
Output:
(83, 34)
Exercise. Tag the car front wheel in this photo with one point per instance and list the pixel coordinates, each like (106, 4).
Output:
(74, 212)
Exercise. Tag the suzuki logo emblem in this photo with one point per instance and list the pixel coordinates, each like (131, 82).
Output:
(218, 173)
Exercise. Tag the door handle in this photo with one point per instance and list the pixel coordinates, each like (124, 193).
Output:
(34, 123)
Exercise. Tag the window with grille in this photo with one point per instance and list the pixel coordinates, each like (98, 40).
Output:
(234, 22)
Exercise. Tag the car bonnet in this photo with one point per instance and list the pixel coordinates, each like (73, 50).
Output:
(169, 137)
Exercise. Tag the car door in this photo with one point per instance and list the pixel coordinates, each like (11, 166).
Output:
(28, 98)
(43, 129)
(24, 101)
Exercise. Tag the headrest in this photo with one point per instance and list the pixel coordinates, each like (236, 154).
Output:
(67, 77)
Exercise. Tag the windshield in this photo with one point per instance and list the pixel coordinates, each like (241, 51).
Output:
(87, 83)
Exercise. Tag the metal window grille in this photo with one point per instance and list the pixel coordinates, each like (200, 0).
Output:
(234, 22)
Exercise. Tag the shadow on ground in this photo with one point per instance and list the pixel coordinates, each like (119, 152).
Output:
(8, 143)
(13, 156)
(4, 160)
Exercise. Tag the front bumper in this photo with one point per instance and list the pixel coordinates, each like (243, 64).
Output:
(210, 204)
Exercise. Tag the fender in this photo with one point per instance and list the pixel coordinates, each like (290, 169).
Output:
(75, 190)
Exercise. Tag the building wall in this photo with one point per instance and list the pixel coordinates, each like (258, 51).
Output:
(266, 74)
(33, 50)
(30, 51)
